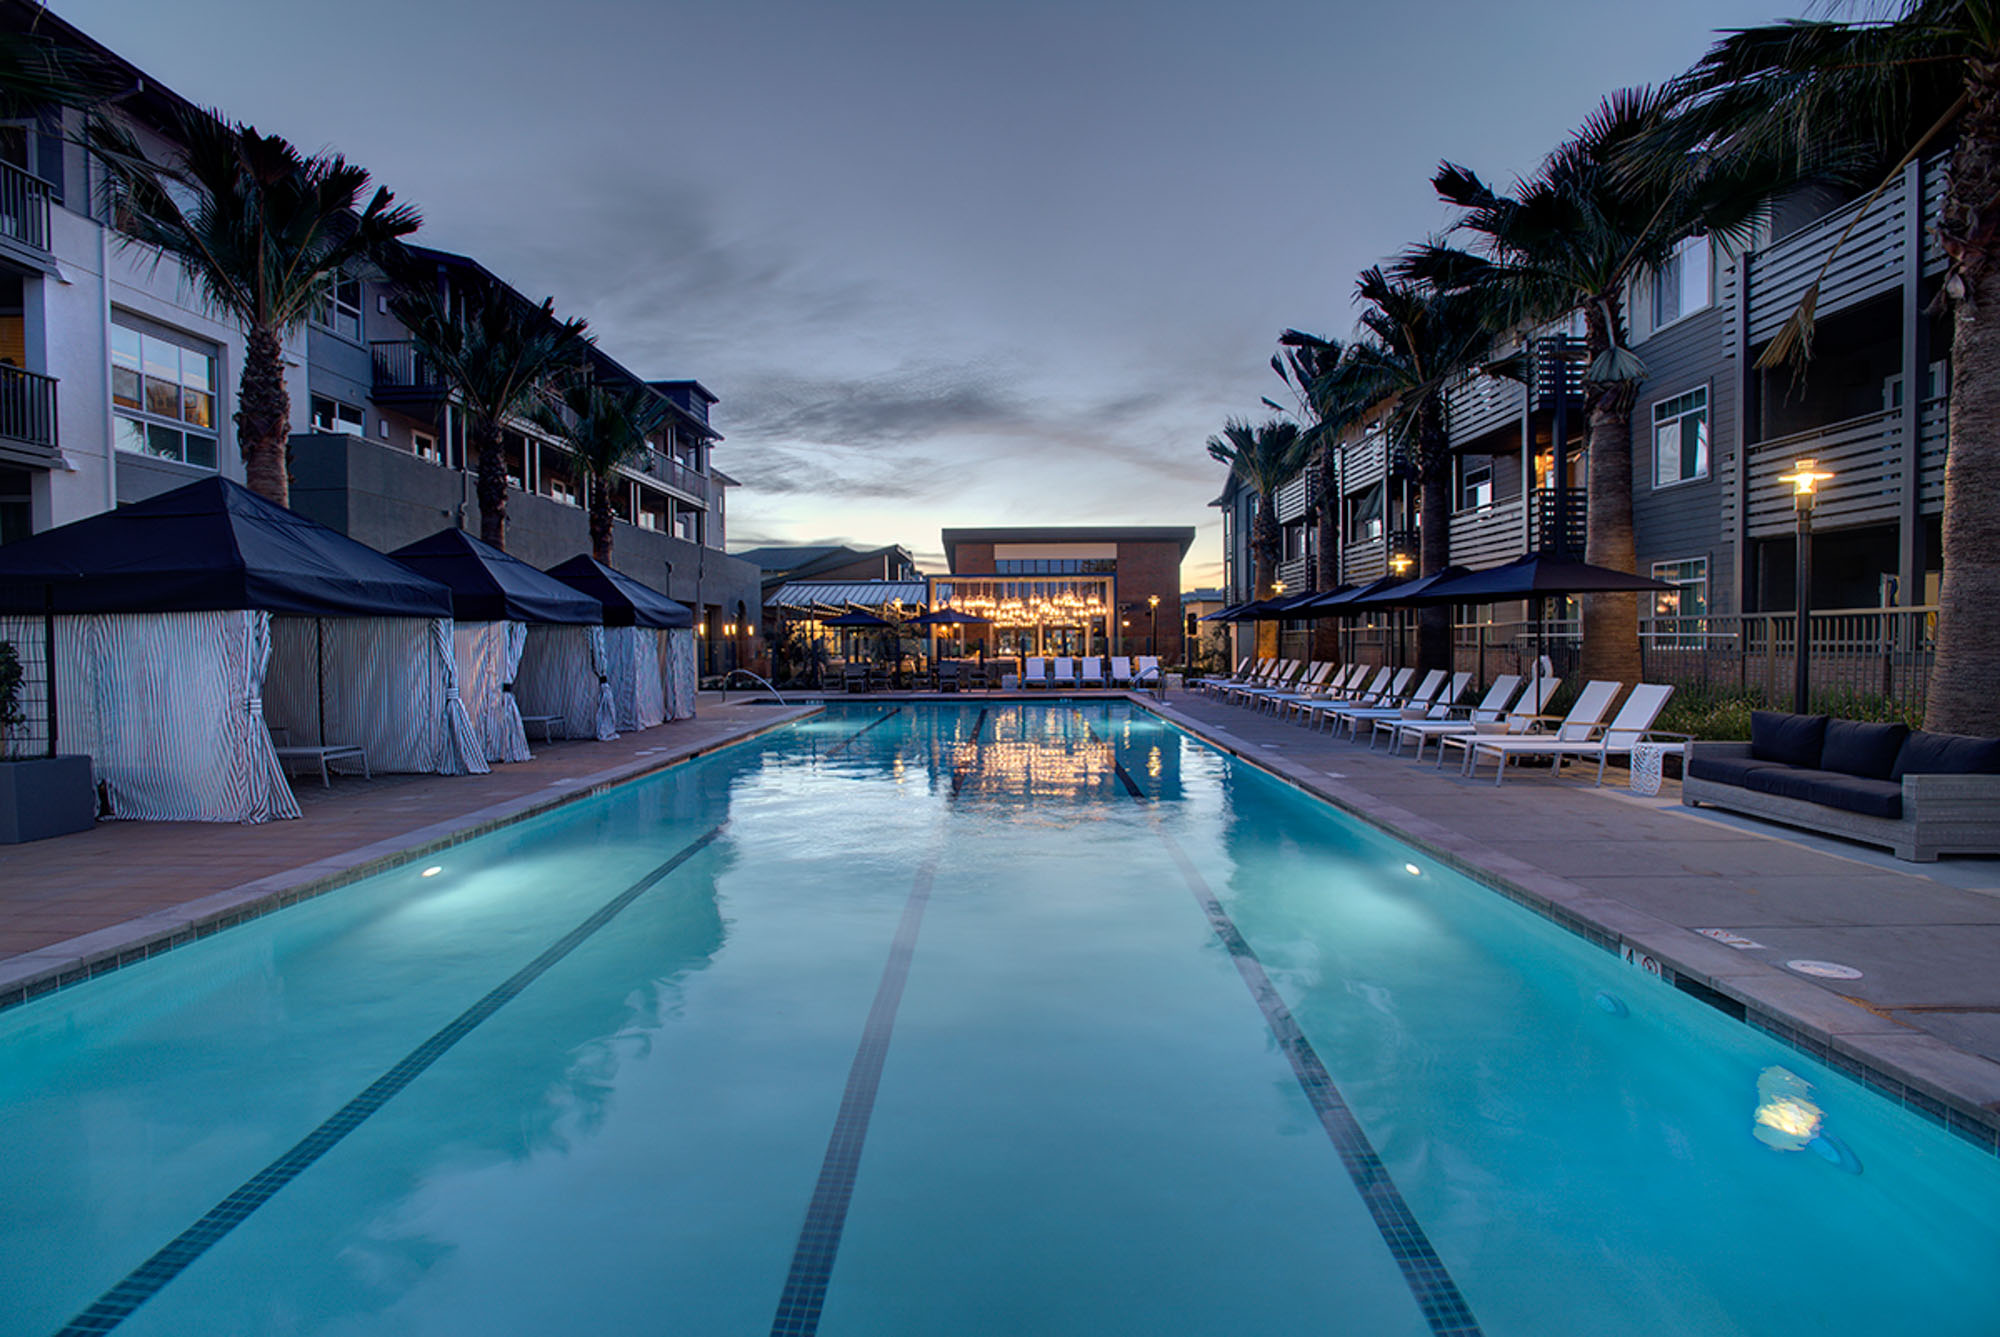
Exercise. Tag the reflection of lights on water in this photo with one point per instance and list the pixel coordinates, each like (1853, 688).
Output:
(433, 870)
(1154, 764)
(1786, 1118)
(1413, 870)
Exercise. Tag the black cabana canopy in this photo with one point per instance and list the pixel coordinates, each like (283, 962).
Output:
(627, 603)
(488, 585)
(210, 546)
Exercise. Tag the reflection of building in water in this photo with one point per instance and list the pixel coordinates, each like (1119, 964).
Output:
(1034, 754)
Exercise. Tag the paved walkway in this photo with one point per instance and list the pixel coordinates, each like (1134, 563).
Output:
(1652, 874)
(121, 890)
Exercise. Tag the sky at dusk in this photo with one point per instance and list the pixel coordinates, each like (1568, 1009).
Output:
(944, 263)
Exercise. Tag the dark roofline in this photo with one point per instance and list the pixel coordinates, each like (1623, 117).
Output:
(1181, 534)
(695, 386)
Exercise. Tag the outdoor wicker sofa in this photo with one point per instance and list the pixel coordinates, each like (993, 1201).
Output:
(1920, 794)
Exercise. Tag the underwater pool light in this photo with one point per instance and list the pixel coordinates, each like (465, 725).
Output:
(1413, 870)
(434, 870)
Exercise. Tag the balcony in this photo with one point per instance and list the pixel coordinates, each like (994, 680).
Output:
(1558, 520)
(1487, 535)
(403, 375)
(24, 214)
(28, 418)
(1296, 574)
(1865, 457)
(686, 484)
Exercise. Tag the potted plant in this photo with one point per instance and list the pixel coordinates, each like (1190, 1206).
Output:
(39, 796)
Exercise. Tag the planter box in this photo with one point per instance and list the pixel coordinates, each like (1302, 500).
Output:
(45, 796)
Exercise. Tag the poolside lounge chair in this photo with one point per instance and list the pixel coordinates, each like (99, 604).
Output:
(1062, 673)
(1579, 726)
(1522, 719)
(1421, 697)
(1380, 692)
(1491, 707)
(1238, 674)
(1121, 671)
(1145, 669)
(1343, 683)
(1034, 672)
(1258, 671)
(1437, 707)
(1632, 724)
(1311, 680)
(1282, 672)
(1358, 690)
(1090, 672)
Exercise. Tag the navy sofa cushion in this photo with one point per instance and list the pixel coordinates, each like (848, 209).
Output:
(1723, 770)
(1866, 750)
(1794, 740)
(1946, 754)
(1852, 793)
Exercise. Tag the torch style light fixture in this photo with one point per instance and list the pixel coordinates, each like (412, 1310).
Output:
(1153, 636)
(1805, 478)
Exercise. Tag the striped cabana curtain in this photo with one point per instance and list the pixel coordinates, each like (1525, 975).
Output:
(562, 673)
(677, 671)
(388, 685)
(485, 659)
(633, 657)
(170, 709)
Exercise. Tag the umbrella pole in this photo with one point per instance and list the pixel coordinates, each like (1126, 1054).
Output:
(319, 672)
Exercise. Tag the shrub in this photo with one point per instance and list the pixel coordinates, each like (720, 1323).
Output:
(12, 714)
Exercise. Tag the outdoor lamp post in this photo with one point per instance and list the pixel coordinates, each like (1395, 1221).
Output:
(1399, 566)
(1153, 636)
(1805, 478)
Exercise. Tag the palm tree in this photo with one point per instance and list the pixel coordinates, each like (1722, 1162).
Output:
(1263, 459)
(263, 232)
(501, 357)
(1934, 64)
(1570, 238)
(1304, 363)
(1419, 340)
(605, 429)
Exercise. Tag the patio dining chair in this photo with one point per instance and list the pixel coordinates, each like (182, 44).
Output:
(1063, 672)
(1632, 724)
(1034, 672)
(1121, 670)
(1090, 672)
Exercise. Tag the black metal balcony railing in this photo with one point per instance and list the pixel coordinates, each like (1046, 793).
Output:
(24, 207)
(27, 406)
(399, 366)
(1558, 520)
(1557, 367)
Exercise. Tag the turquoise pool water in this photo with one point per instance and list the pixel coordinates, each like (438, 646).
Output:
(922, 1020)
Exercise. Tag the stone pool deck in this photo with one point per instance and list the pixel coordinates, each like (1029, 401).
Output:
(1922, 1023)
(79, 905)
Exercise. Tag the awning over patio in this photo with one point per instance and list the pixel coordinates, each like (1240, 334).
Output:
(807, 596)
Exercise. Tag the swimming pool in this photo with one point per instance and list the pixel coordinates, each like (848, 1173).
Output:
(968, 1019)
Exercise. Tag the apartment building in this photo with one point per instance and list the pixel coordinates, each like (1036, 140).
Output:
(117, 384)
(1712, 431)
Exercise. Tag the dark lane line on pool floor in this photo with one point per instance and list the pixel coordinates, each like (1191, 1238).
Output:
(852, 738)
(1437, 1295)
(819, 1239)
(1117, 766)
(145, 1281)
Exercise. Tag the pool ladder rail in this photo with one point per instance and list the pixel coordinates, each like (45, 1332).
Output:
(754, 678)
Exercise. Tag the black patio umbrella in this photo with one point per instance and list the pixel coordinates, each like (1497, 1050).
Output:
(1350, 599)
(1538, 576)
(948, 617)
(1227, 614)
(857, 618)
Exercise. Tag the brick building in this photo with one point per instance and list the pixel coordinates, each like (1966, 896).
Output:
(1068, 590)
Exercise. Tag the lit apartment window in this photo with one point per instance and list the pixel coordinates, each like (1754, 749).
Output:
(163, 395)
(426, 447)
(1679, 612)
(1364, 516)
(340, 309)
(1680, 438)
(1680, 286)
(330, 415)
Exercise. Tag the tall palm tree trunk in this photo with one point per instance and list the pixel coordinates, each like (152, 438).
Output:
(264, 417)
(492, 485)
(1610, 621)
(1963, 698)
(1264, 542)
(600, 519)
(1434, 650)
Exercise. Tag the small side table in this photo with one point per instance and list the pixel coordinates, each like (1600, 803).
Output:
(1648, 763)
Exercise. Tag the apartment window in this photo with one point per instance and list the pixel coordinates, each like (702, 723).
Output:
(1680, 286)
(1680, 438)
(1475, 485)
(340, 309)
(1364, 516)
(330, 415)
(426, 447)
(1679, 613)
(163, 395)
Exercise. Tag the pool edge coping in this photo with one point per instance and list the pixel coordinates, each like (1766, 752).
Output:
(1953, 1088)
(41, 971)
